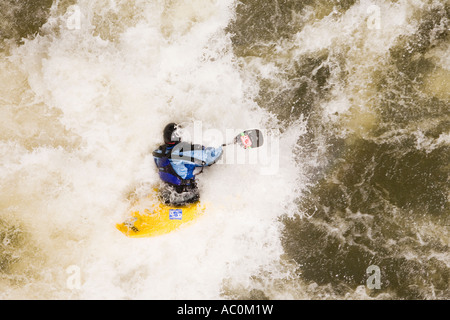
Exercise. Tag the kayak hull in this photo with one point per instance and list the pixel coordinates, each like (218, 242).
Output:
(151, 218)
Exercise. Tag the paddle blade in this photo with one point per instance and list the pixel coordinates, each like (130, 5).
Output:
(250, 139)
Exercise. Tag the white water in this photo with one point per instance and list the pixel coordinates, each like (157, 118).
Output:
(82, 110)
(83, 105)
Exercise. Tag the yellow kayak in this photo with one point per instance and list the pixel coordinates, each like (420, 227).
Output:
(150, 218)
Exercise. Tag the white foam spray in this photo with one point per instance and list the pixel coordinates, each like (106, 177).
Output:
(105, 89)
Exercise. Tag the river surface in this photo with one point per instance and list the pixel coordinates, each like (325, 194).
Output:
(347, 199)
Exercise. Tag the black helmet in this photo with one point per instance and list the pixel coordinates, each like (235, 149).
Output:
(170, 134)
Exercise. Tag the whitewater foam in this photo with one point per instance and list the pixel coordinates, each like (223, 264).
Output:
(113, 96)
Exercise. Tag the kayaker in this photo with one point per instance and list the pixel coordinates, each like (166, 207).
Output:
(179, 163)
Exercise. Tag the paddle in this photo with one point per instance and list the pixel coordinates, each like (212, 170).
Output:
(249, 139)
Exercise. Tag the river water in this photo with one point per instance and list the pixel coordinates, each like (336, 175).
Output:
(354, 100)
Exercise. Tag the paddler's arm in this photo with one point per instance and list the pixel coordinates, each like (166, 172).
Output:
(212, 155)
(198, 155)
(205, 157)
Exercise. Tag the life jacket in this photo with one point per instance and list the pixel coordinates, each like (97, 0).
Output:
(167, 173)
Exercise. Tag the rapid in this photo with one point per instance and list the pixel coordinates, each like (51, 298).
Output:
(353, 98)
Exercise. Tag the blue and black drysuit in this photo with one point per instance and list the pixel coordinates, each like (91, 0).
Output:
(178, 165)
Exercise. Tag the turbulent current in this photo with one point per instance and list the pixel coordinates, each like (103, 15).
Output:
(347, 199)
